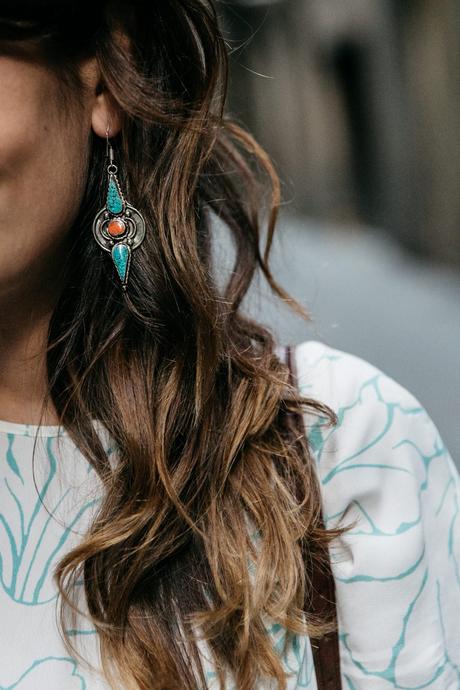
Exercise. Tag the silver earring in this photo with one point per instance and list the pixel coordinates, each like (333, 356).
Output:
(118, 227)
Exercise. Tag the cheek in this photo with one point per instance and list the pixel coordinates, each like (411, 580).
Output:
(42, 161)
(25, 108)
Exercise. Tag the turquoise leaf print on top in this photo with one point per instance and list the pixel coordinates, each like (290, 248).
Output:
(30, 539)
(386, 466)
(48, 673)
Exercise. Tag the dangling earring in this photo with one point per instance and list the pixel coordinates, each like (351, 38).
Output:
(118, 227)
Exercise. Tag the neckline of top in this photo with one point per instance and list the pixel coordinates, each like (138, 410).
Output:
(42, 430)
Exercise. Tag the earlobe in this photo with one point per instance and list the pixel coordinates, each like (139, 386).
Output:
(105, 115)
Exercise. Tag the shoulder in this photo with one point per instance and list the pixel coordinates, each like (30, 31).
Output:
(344, 380)
(385, 444)
(381, 424)
(385, 466)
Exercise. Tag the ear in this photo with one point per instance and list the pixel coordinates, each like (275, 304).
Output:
(104, 112)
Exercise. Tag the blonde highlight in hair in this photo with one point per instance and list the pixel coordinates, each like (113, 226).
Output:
(210, 519)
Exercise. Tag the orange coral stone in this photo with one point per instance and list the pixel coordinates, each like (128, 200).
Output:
(116, 227)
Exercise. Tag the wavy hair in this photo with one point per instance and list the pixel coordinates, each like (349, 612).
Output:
(210, 518)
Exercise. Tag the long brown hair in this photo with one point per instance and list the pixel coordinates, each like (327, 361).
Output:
(188, 387)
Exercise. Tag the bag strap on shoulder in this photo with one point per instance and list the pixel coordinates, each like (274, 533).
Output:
(326, 653)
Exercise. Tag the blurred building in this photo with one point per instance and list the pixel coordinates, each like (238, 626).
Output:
(357, 102)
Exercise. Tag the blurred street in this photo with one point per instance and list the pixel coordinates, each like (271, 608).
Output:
(369, 297)
(357, 104)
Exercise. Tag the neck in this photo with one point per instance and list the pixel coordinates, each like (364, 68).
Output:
(25, 311)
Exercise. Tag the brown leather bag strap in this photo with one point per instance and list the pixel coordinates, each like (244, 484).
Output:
(326, 654)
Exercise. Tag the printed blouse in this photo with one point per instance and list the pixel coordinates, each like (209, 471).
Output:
(397, 572)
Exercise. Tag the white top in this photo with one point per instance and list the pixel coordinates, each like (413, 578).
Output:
(397, 573)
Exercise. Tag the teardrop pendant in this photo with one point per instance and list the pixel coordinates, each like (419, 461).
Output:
(121, 255)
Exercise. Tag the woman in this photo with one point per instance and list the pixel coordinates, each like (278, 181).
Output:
(160, 514)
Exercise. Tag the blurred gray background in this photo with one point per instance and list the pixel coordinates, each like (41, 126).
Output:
(358, 104)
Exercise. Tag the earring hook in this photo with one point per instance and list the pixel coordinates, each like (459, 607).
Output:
(109, 147)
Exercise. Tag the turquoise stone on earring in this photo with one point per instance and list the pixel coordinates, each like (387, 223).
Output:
(120, 256)
(114, 200)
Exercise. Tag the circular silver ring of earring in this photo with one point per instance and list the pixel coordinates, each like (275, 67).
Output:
(118, 227)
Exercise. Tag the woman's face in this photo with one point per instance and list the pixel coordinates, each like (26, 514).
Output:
(43, 163)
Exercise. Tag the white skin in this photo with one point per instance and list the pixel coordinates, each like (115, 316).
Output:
(43, 163)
